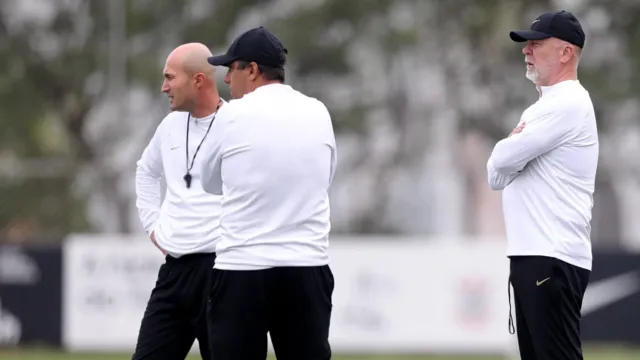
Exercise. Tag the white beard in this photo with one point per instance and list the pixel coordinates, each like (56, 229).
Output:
(533, 74)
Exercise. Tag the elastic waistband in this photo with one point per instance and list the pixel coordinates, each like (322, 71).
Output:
(190, 258)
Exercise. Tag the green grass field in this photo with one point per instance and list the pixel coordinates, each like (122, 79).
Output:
(590, 354)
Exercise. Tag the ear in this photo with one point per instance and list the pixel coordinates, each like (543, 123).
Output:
(567, 53)
(199, 79)
(254, 72)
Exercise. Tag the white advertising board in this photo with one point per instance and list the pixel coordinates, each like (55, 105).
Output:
(417, 296)
(107, 281)
(391, 295)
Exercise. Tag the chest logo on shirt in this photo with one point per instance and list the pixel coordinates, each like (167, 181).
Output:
(175, 147)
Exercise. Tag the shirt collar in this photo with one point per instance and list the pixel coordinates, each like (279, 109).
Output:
(272, 87)
(208, 117)
(558, 87)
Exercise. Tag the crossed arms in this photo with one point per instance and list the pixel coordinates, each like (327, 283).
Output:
(544, 130)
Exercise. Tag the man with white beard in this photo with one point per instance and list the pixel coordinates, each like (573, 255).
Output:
(546, 168)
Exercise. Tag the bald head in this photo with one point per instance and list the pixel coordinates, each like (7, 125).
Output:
(190, 81)
(192, 58)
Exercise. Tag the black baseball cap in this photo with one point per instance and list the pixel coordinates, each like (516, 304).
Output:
(561, 24)
(257, 45)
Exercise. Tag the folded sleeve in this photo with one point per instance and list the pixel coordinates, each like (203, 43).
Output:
(497, 180)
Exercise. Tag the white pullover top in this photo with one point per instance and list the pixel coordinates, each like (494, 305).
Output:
(547, 173)
(273, 164)
(188, 220)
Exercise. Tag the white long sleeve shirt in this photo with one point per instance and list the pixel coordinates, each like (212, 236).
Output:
(548, 175)
(188, 220)
(273, 163)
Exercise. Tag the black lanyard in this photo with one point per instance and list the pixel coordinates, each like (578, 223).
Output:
(187, 177)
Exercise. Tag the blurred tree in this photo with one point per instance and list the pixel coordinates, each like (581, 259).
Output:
(491, 68)
(404, 81)
(610, 70)
(60, 62)
(485, 62)
(349, 54)
(484, 81)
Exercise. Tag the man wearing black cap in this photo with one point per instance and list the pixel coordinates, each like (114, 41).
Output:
(273, 160)
(546, 168)
(255, 58)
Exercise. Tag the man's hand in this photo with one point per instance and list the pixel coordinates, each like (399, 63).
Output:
(153, 240)
(518, 129)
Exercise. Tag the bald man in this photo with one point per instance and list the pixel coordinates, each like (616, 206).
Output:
(185, 227)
